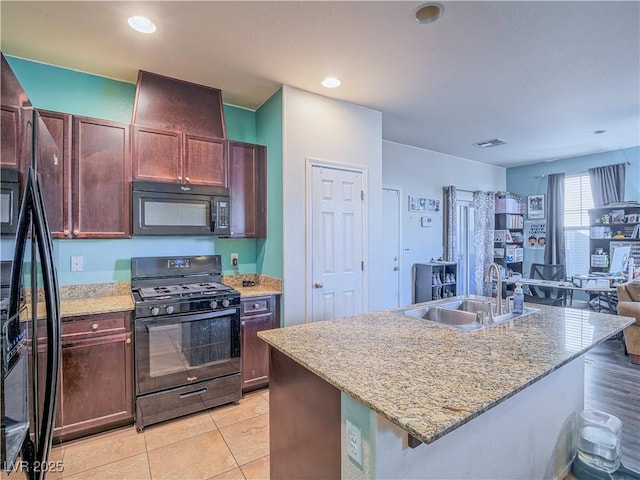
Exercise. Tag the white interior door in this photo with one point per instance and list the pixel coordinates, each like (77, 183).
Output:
(336, 243)
(391, 247)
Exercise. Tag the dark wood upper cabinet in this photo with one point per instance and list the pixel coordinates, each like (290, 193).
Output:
(157, 154)
(171, 104)
(248, 187)
(10, 120)
(15, 109)
(172, 156)
(204, 161)
(178, 133)
(54, 165)
(101, 179)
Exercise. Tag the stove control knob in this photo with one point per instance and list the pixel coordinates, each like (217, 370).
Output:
(170, 309)
(225, 303)
(155, 311)
(214, 304)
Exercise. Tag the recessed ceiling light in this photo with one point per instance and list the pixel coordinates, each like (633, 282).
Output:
(141, 24)
(428, 13)
(331, 82)
(598, 132)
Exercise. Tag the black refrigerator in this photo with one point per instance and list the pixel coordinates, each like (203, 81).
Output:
(29, 296)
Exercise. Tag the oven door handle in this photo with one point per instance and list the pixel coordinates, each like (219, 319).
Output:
(149, 322)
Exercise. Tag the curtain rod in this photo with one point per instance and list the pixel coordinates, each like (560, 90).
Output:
(579, 171)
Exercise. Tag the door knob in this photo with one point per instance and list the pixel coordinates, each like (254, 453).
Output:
(318, 285)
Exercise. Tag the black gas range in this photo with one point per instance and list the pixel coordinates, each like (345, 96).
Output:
(187, 337)
(179, 285)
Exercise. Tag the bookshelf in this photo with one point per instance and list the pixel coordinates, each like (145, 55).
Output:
(612, 226)
(508, 241)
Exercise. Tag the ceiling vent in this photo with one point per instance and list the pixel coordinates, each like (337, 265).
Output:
(494, 142)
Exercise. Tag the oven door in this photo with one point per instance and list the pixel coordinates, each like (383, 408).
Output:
(178, 350)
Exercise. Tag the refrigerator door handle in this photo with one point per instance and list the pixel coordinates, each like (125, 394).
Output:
(52, 302)
(33, 208)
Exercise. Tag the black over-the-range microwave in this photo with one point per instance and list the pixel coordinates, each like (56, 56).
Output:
(180, 209)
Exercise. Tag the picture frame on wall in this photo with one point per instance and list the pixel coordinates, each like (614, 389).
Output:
(423, 204)
(535, 207)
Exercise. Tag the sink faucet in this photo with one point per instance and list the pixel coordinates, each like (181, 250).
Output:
(487, 279)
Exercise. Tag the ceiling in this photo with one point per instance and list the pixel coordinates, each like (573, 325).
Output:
(540, 75)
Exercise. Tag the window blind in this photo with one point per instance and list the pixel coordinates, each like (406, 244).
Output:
(577, 202)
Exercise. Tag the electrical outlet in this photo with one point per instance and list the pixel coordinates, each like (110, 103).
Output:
(354, 443)
(77, 263)
(234, 259)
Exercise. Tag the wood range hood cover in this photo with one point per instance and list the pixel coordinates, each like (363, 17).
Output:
(169, 104)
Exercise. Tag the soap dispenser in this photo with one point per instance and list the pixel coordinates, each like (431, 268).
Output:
(518, 299)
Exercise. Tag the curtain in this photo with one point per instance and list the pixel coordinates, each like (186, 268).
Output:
(554, 252)
(450, 224)
(607, 184)
(484, 204)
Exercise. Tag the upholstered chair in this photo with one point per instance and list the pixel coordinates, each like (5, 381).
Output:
(629, 306)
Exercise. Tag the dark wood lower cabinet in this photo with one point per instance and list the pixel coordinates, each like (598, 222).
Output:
(257, 314)
(304, 422)
(97, 375)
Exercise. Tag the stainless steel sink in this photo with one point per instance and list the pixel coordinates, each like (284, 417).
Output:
(463, 314)
(467, 305)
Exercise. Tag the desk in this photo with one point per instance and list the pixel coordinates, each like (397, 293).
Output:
(597, 294)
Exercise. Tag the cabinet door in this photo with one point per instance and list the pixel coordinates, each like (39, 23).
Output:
(54, 165)
(157, 155)
(97, 384)
(248, 186)
(255, 352)
(204, 161)
(10, 137)
(101, 170)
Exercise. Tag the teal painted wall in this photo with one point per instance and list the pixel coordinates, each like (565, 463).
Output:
(531, 179)
(269, 132)
(60, 89)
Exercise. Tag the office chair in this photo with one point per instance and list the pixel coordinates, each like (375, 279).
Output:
(547, 295)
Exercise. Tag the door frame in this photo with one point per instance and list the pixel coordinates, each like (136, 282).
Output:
(398, 188)
(310, 164)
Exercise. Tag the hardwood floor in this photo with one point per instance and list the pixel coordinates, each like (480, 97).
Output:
(612, 384)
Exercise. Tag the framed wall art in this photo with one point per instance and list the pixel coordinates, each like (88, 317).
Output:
(535, 207)
(423, 204)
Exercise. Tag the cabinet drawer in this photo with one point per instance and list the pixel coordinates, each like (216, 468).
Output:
(255, 305)
(95, 325)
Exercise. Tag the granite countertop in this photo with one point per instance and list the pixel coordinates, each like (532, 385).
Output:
(263, 284)
(91, 299)
(97, 298)
(430, 379)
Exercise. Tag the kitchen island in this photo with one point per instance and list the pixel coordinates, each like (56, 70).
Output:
(422, 400)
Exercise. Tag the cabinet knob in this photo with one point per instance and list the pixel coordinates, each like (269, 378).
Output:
(66, 232)
(76, 232)
(318, 285)
(256, 305)
(180, 177)
(187, 179)
(94, 327)
(128, 340)
(242, 323)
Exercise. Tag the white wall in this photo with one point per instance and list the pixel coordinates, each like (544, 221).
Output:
(423, 173)
(320, 128)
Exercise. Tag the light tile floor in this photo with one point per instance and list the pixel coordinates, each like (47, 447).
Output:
(229, 442)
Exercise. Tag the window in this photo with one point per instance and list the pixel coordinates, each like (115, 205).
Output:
(577, 202)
